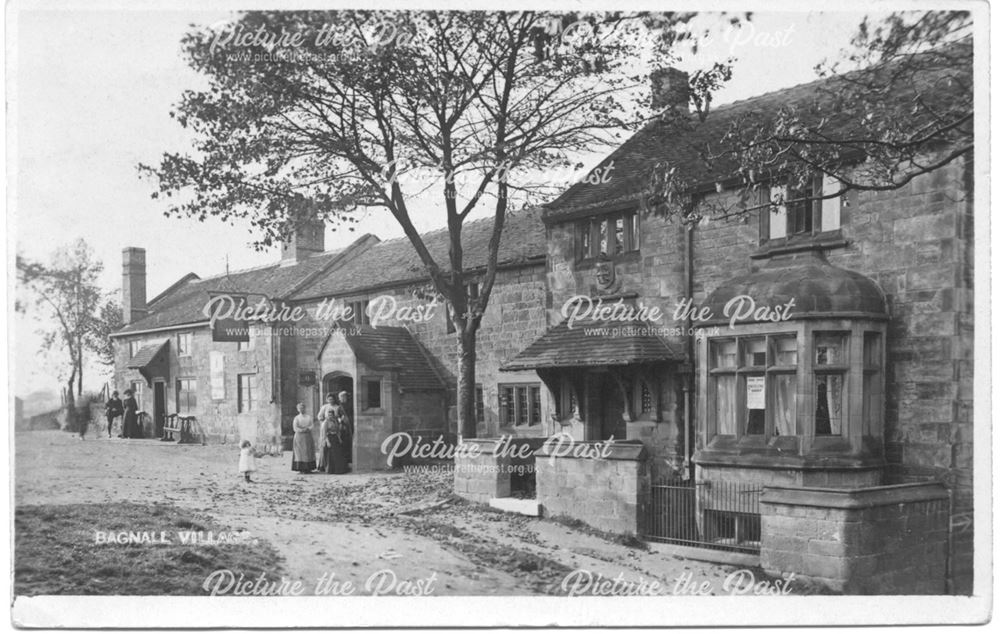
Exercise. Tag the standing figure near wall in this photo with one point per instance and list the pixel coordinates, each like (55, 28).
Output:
(326, 414)
(336, 433)
(303, 447)
(130, 419)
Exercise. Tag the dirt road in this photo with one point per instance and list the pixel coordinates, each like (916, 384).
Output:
(379, 529)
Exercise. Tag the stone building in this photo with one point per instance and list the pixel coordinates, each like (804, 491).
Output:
(394, 353)
(851, 373)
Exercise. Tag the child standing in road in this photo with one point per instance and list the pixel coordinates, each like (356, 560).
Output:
(247, 461)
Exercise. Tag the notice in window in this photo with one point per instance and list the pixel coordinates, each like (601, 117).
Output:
(755, 392)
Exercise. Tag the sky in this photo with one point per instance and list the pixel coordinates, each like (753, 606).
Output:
(92, 91)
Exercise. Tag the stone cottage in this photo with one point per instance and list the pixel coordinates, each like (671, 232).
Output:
(840, 394)
(369, 325)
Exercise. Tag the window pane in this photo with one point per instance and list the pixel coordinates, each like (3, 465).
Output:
(536, 405)
(778, 222)
(754, 388)
(633, 220)
(829, 405)
(619, 235)
(784, 404)
(871, 404)
(785, 351)
(507, 405)
(830, 349)
(647, 399)
(602, 241)
(374, 394)
(873, 350)
(724, 354)
(522, 405)
(480, 406)
(830, 209)
(585, 240)
(725, 403)
(754, 351)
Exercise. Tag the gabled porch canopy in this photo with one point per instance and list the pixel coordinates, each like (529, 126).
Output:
(594, 343)
(151, 361)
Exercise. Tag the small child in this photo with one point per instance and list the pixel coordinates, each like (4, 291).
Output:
(247, 461)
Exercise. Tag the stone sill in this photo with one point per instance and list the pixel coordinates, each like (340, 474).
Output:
(861, 498)
(784, 246)
(762, 458)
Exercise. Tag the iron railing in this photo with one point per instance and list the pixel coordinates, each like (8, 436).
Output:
(707, 514)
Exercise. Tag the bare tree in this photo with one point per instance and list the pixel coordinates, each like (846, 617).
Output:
(319, 113)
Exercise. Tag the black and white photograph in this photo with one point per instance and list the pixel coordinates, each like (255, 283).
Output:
(496, 315)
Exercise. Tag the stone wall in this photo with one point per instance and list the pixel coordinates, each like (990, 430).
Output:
(608, 493)
(483, 473)
(877, 540)
(219, 418)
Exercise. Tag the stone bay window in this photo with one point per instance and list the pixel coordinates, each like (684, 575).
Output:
(798, 401)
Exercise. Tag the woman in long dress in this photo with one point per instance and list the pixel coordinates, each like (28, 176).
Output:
(130, 419)
(340, 438)
(325, 418)
(303, 447)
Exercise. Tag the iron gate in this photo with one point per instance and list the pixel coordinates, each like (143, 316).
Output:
(707, 514)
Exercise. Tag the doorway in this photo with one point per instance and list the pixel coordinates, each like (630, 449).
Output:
(612, 408)
(159, 408)
(335, 383)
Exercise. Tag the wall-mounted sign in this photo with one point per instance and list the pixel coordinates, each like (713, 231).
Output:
(755, 392)
(307, 378)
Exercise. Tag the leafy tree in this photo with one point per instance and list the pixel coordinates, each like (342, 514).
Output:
(67, 290)
(897, 103)
(108, 320)
(318, 113)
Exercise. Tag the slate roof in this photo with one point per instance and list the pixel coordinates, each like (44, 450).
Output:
(394, 348)
(147, 354)
(680, 144)
(820, 290)
(562, 346)
(184, 301)
(393, 261)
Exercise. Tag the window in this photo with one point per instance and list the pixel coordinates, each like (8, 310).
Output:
(801, 211)
(472, 293)
(187, 396)
(611, 234)
(138, 393)
(372, 392)
(480, 404)
(184, 344)
(830, 365)
(871, 387)
(359, 312)
(520, 404)
(752, 385)
(244, 393)
(645, 399)
(133, 347)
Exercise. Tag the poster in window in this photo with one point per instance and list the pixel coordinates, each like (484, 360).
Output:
(755, 392)
(217, 376)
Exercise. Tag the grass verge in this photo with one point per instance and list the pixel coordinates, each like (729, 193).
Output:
(56, 551)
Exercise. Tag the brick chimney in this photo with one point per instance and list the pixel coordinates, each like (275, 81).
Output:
(133, 284)
(308, 239)
(670, 89)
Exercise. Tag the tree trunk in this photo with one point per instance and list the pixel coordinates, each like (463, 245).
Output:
(467, 382)
(71, 402)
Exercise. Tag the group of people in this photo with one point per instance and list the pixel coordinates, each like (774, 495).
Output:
(335, 434)
(128, 410)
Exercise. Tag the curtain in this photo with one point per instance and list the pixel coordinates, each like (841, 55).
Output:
(725, 399)
(784, 397)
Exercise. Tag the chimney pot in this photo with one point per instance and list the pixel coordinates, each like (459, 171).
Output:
(670, 89)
